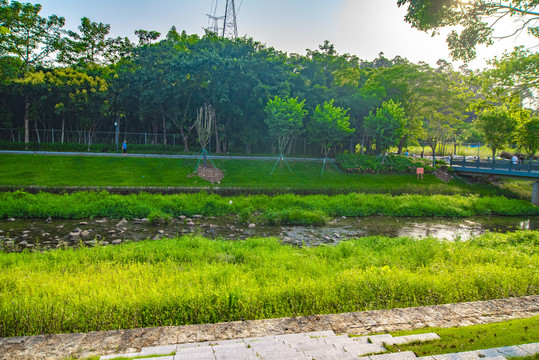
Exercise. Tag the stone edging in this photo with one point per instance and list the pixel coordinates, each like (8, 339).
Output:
(60, 346)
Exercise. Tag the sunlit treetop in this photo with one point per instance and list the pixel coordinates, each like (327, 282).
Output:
(475, 21)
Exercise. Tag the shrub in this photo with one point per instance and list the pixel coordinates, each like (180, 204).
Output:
(378, 164)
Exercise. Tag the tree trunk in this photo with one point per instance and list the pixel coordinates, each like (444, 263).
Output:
(63, 129)
(164, 130)
(26, 120)
(401, 144)
(291, 145)
(185, 140)
(217, 140)
(433, 148)
(37, 133)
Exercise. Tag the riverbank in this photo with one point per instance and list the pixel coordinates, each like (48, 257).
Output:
(192, 280)
(126, 175)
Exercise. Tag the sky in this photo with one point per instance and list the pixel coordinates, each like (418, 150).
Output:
(363, 28)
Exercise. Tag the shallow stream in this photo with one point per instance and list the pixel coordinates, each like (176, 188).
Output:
(20, 234)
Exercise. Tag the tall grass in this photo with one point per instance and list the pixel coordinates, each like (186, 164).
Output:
(77, 205)
(192, 280)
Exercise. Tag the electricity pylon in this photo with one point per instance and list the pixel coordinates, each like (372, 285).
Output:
(230, 26)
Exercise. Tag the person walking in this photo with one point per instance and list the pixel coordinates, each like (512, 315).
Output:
(124, 147)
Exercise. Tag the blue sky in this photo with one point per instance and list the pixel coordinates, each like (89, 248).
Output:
(360, 27)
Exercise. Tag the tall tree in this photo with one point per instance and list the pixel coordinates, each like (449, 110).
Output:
(409, 84)
(30, 37)
(497, 126)
(386, 125)
(91, 45)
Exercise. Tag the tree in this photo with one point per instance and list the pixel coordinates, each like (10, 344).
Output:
(284, 119)
(475, 19)
(497, 126)
(527, 136)
(515, 74)
(29, 37)
(146, 37)
(204, 125)
(409, 84)
(91, 45)
(329, 126)
(386, 125)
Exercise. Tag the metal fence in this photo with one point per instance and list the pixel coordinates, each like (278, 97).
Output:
(86, 137)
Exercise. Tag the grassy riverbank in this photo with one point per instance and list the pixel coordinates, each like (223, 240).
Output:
(192, 280)
(58, 171)
(253, 208)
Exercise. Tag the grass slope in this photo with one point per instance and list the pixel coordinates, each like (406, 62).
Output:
(25, 170)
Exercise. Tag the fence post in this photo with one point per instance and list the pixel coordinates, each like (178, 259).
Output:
(144, 138)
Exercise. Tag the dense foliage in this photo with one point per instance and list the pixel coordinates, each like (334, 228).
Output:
(192, 280)
(87, 87)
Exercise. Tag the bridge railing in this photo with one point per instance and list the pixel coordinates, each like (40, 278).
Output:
(495, 164)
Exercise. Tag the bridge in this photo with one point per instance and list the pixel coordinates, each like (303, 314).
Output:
(524, 170)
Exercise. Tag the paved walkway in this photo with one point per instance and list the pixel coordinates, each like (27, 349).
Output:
(299, 337)
(315, 345)
(166, 156)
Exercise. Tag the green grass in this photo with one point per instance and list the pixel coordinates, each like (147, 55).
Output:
(58, 171)
(476, 337)
(285, 209)
(193, 280)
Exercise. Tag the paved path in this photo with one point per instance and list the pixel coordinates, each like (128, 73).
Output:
(363, 323)
(167, 156)
(315, 345)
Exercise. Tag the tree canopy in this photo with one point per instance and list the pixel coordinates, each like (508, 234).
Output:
(473, 21)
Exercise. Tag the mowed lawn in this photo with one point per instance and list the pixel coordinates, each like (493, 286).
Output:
(53, 170)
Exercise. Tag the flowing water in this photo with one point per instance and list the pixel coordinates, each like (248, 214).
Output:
(33, 234)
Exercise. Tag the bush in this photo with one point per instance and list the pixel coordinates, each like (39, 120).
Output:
(377, 164)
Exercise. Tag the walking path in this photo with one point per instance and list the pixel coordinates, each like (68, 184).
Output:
(167, 156)
(303, 337)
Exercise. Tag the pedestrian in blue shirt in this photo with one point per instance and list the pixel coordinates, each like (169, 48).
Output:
(124, 147)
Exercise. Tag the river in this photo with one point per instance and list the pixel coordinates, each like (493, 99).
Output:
(38, 234)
